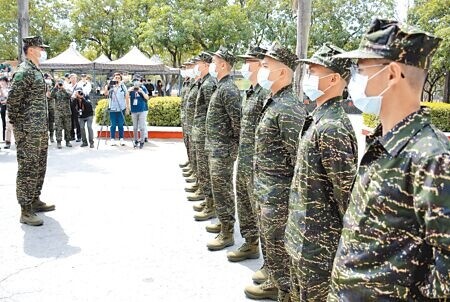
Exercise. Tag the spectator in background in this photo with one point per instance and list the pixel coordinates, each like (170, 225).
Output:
(85, 112)
(149, 85)
(119, 105)
(85, 84)
(7, 127)
(70, 87)
(160, 88)
(63, 113)
(138, 96)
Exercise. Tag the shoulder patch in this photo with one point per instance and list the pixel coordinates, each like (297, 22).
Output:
(18, 76)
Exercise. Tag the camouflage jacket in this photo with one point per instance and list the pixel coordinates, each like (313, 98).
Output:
(251, 110)
(277, 133)
(62, 102)
(186, 86)
(327, 158)
(395, 243)
(223, 119)
(207, 87)
(191, 97)
(27, 103)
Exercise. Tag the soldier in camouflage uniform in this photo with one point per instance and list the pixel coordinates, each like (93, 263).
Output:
(63, 113)
(245, 202)
(51, 107)
(327, 158)
(207, 87)
(27, 112)
(395, 240)
(222, 139)
(183, 74)
(184, 91)
(280, 123)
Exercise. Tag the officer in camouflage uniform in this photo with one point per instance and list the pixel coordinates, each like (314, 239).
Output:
(188, 81)
(63, 113)
(183, 74)
(327, 158)
(245, 202)
(281, 121)
(207, 87)
(395, 241)
(27, 111)
(222, 139)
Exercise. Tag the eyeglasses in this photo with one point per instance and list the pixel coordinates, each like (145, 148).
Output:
(356, 69)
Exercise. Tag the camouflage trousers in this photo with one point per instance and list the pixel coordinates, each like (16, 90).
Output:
(245, 200)
(51, 121)
(63, 122)
(203, 176)
(272, 194)
(192, 154)
(309, 283)
(32, 150)
(221, 171)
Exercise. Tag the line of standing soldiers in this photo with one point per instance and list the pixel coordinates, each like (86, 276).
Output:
(298, 184)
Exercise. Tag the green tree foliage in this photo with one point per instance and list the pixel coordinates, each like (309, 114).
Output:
(434, 17)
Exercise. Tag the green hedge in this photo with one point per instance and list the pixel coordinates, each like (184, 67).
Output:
(162, 111)
(440, 116)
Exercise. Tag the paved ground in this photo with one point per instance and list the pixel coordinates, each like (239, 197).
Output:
(123, 231)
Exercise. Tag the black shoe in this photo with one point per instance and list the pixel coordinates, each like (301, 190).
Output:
(141, 145)
(78, 140)
(84, 145)
(146, 140)
(91, 145)
(8, 145)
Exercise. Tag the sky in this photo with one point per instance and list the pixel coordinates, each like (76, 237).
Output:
(402, 7)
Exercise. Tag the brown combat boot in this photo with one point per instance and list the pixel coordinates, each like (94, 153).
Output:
(190, 179)
(266, 290)
(28, 216)
(188, 173)
(192, 188)
(184, 165)
(214, 228)
(223, 240)
(249, 250)
(206, 214)
(197, 196)
(199, 207)
(261, 275)
(40, 206)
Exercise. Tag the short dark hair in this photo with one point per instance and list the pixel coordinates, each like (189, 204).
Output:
(25, 48)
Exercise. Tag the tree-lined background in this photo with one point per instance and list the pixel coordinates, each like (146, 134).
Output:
(178, 29)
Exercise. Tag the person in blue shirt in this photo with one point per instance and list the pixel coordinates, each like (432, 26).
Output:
(138, 96)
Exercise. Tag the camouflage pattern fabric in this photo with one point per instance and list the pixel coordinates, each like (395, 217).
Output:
(63, 113)
(327, 158)
(207, 88)
(283, 55)
(189, 110)
(395, 240)
(222, 139)
(184, 91)
(28, 112)
(245, 201)
(276, 139)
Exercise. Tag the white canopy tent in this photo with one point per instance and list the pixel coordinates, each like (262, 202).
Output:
(102, 59)
(70, 59)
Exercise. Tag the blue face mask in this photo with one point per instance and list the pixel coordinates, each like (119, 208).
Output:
(357, 89)
(212, 70)
(311, 87)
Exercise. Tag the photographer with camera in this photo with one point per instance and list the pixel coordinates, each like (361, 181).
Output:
(63, 113)
(85, 113)
(138, 96)
(119, 105)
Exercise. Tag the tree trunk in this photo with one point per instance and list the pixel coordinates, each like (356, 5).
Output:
(23, 26)
(303, 26)
(447, 87)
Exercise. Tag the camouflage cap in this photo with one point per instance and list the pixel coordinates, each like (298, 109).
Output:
(254, 52)
(226, 55)
(388, 39)
(34, 41)
(325, 57)
(205, 57)
(283, 55)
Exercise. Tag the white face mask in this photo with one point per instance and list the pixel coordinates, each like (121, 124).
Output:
(212, 70)
(196, 71)
(245, 71)
(190, 73)
(311, 86)
(182, 73)
(263, 78)
(43, 56)
(357, 90)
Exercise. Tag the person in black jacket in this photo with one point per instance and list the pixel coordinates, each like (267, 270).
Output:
(83, 107)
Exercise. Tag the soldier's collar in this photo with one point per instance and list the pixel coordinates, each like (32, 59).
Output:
(282, 91)
(396, 139)
(320, 111)
(225, 78)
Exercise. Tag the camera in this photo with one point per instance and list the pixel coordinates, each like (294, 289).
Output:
(112, 83)
(80, 112)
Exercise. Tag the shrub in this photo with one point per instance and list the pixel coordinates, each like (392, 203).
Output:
(440, 116)
(164, 111)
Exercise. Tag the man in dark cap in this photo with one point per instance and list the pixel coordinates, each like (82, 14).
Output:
(28, 112)
(327, 158)
(280, 123)
(395, 240)
(222, 140)
(184, 72)
(245, 202)
(207, 86)
(63, 113)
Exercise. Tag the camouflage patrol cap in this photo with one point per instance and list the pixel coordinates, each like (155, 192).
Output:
(325, 57)
(283, 55)
(34, 41)
(254, 52)
(388, 39)
(205, 57)
(226, 55)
